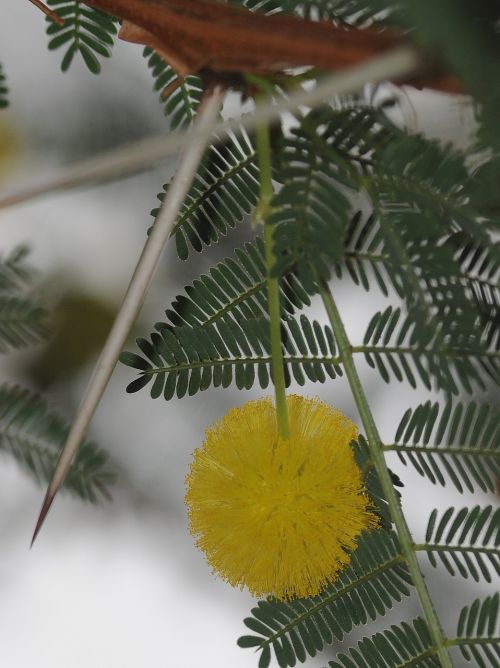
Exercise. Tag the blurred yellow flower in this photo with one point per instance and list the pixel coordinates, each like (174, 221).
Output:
(9, 146)
(279, 516)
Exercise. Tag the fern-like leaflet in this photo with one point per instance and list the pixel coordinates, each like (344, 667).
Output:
(86, 31)
(34, 435)
(478, 632)
(236, 287)
(406, 644)
(456, 442)
(23, 318)
(299, 628)
(390, 346)
(187, 360)
(223, 192)
(181, 104)
(465, 541)
(409, 644)
(4, 100)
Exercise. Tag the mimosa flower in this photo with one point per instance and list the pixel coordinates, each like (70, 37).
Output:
(279, 516)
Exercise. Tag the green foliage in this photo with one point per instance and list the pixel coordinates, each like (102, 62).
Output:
(220, 332)
(480, 265)
(423, 234)
(23, 320)
(86, 31)
(29, 431)
(465, 540)
(266, 6)
(479, 634)
(15, 273)
(390, 347)
(408, 645)
(310, 212)
(461, 446)
(400, 646)
(181, 104)
(376, 578)
(4, 100)
(364, 256)
(325, 159)
(345, 12)
(189, 359)
(235, 287)
(422, 195)
(224, 190)
(342, 12)
(34, 436)
(470, 46)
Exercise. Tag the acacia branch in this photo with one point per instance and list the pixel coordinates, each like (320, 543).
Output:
(394, 65)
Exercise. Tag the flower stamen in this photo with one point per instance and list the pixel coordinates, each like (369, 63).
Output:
(279, 516)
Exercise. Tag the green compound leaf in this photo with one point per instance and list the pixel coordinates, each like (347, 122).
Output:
(15, 274)
(345, 13)
(424, 197)
(23, 322)
(4, 100)
(35, 435)
(465, 541)
(295, 629)
(235, 287)
(189, 359)
(225, 189)
(401, 646)
(390, 346)
(323, 158)
(479, 633)
(364, 258)
(86, 31)
(453, 442)
(23, 318)
(182, 103)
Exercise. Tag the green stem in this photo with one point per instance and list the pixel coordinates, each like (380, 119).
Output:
(375, 444)
(461, 549)
(266, 195)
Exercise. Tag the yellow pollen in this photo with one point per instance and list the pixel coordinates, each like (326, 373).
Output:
(278, 516)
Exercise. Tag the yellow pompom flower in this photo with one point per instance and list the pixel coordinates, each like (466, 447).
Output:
(279, 516)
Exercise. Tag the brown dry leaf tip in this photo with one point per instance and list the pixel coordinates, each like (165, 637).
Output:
(54, 16)
(209, 35)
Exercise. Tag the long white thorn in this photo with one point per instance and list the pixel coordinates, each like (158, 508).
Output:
(135, 294)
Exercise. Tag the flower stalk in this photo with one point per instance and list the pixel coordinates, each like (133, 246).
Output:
(266, 195)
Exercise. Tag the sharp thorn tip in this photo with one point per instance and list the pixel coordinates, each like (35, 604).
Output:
(47, 502)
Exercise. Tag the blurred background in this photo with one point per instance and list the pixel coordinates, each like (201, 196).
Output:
(122, 585)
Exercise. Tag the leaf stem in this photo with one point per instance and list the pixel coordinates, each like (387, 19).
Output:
(266, 195)
(375, 445)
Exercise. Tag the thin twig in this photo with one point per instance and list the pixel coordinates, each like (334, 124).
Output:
(136, 291)
(54, 16)
(394, 65)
